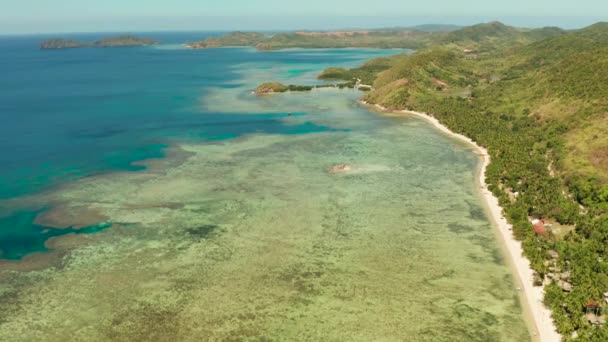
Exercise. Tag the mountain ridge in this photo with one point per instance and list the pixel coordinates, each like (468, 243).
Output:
(485, 35)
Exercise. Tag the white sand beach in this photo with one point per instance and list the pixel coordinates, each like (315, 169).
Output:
(532, 296)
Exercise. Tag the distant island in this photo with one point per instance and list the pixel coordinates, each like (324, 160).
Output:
(273, 87)
(397, 38)
(485, 37)
(115, 41)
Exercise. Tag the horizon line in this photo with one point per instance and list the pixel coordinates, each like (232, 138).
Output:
(393, 22)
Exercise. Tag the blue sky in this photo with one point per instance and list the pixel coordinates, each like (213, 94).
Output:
(40, 16)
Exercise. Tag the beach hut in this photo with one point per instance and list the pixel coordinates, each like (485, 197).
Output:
(593, 313)
(539, 226)
(593, 308)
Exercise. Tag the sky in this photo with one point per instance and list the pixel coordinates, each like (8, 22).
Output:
(50, 16)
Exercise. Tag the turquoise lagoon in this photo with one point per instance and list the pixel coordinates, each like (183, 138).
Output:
(148, 195)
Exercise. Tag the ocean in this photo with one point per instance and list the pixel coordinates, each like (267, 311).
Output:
(145, 193)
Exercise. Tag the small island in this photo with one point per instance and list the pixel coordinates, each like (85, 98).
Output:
(114, 41)
(269, 88)
(276, 87)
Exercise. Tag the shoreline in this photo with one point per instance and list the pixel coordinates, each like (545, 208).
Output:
(532, 296)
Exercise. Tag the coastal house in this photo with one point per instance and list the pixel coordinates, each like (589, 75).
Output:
(592, 307)
(539, 226)
(593, 313)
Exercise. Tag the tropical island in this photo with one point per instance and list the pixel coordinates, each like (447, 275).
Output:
(114, 41)
(269, 88)
(535, 103)
(276, 87)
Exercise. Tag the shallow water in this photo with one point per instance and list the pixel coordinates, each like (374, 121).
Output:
(252, 238)
(69, 114)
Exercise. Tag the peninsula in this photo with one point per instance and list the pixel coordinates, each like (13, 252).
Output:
(276, 87)
(114, 41)
(403, 38)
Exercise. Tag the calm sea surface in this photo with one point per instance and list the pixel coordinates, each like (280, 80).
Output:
(146, 194)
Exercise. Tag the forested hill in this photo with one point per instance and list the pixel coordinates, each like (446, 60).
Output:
(538, 100)
(496, 35)
(483, 35)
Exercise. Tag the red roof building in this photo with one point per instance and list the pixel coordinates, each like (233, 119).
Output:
(593, 308)
(539, 226)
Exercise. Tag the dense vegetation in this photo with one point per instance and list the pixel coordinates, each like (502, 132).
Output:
(276, 87)
(538, 101)
(490, 36)
(366, 74)
(268, 88)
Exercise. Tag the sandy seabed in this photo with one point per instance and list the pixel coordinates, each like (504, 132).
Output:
(544, 328)
(253, 239)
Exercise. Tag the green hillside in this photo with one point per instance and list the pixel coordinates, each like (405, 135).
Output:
(480, 38)
(538, 100)
(488, 37)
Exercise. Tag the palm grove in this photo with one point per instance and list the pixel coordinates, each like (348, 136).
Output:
(538, 101)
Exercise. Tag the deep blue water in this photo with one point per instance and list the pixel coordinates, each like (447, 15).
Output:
(20, 236)
(65, 114)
